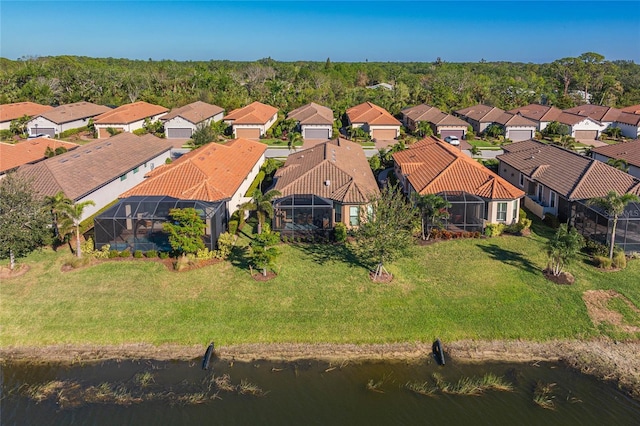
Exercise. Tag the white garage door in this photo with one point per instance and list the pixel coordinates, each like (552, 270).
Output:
(316, 133)
(520, 135)
(450, 132)
(42, 130)
(178, 133)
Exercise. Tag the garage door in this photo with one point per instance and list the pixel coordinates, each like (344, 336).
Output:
(586, 134)
(384, 134)
(520, 135)
(248, 133)
(450, 132)
(178, 133)
(43, 130)
(103, 133)
(316, 133)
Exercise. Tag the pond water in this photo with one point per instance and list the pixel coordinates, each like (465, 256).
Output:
(145, 392)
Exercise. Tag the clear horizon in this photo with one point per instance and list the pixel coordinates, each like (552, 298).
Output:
(360, 31)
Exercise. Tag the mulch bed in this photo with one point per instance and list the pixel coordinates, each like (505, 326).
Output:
(382, 278)
(564, 278)
(260, 277)
(19, 270)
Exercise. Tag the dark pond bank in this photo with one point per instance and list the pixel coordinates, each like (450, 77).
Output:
(305, 392)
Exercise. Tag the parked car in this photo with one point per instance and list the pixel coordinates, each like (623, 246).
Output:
(39, 135)
(453, 140)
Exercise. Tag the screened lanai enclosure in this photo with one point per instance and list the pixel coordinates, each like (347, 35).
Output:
(135, 223)
(466, 213)
(303, 214)
(594, 223)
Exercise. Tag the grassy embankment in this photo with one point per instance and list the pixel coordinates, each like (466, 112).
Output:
(460, 289)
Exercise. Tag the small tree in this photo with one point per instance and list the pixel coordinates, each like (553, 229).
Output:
(24, 219)
(70, 221)
(555, 128)
(261, 204)
(613, 205)
(185, 230)
(494, 130)
(433, 209)
(424, 129)
(292, 139)
(203, 135)
(386, 230)
(562, 248)
(263, 250)
(18, 126)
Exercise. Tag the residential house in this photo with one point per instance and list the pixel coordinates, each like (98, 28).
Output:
(441, 123)
(542, 115)
(627, 151)
(127, 118)
(323, 185)
(315, 121)
(629, 125)
(252, 121)
(9, 112)
(477, 195)
(580, 126)
(28, 152)
(65, 117)
(479, 116)
(100, 170)
(602, 114)
(374, 120)
(516, 127)
(182, 122)
(212, 179)
(554, 179)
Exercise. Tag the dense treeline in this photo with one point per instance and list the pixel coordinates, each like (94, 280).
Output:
(288, 85)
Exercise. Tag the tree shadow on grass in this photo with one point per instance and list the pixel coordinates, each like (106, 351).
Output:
(238, 258)
(325, 253)
(509, 257)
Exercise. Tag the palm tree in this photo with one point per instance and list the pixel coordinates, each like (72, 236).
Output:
(566, 141)
(619, 164)
(261, 204)
(424, 129)
(433, 208)
(57, 204)
(292, 139)
(71, 215)
(613, 205)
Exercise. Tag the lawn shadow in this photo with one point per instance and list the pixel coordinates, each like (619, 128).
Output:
(323, 253)
(238, 258)
(509, 257)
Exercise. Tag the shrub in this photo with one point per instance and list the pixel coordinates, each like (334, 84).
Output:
(225, 244)
(139, 132)
(595, 248)
(163, 255)
(619, 260)
(340, 232)
(125, 253)
(137, 254)
(151, 254)
(551, 221)
(602, 262)
(72, 132)
(494, 229)
(6, 134)
(233, 227)
(113, 254)
(205, 254)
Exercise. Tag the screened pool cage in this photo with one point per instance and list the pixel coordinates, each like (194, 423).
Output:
(303, 214)
(466, 213)
(135, 223)
(594, 223)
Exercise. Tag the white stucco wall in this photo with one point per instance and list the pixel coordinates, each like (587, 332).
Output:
(130, 127)
(513, 207)
(112, 190)
(629, 130)
(42, 122)
(587, 124)
(239, 196)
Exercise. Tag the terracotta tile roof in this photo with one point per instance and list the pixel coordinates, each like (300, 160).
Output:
(75, 111)
(254, 113)
(432, 166)
(83, 170)
(10, 112)
(29, 151)
(372, 114)
(633, 109)
(509, 119)
(340, 162)
(213, 172)
(481, 113)
(433, 115)
(596, 112)
(537, 112)
(628, 118)
(628, 151)
(195, 112)
(312, 114)
(130, 113)
(571, 175)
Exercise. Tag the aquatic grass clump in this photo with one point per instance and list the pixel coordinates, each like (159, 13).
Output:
(376, 385)
(543, 395)
(247, 388)
(422, 388)
(144, 379)
(464, 386)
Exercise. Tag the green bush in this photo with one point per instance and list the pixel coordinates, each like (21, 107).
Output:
(551, 221)
(163, 255)
(125, 253)
(494, 229)
(619, 260)
(72, 132)
(140, 132)
(340, 232)
(205, 254)
(256, 182)
(233, 227)
(113, 254)
(225, 244)
(602, 262)
(137, 254)
(151, 254)
(595, 248)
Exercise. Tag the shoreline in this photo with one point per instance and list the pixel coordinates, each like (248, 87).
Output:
(607, 360)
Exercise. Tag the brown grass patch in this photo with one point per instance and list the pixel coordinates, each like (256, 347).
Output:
(19, 270)
(599, 312)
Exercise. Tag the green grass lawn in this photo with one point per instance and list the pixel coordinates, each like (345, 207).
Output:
(483, 144)
(279, 142)
(460, 289)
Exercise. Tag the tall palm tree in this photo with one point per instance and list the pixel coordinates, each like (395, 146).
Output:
(292, 139)
(433, 208)
(71, 216)
(613, 204)
(57, 204)
(261, 204)
(424, 129)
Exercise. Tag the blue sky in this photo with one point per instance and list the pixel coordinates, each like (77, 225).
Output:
(519, 31)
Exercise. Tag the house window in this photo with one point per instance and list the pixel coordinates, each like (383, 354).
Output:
(338, 212)
(539, 192)
(136, 170)
(521, 181)
(502, 212)
(354, 215)
(515, 210)
(123, 177)
(552, 199)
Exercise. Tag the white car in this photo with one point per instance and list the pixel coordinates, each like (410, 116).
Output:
(453, 140)
(39, 135)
